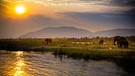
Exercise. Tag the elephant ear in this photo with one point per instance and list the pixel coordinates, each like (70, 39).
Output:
(123, 39)
(116, 39)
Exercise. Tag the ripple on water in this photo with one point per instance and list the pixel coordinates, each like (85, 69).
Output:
(45, 64)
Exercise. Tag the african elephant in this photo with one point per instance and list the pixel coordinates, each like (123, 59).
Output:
(101, 42)
(121, 41)
(48, 40)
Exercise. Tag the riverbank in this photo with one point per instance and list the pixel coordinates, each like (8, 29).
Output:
(124, 58)
(35, 63)
(86, 50)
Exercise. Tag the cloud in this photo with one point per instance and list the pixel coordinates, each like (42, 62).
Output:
(103, 17)
(85, 5)
(86, 14)
(130, 12)
(112, 2)
(122, 2)
(102, 20)
(69, 2)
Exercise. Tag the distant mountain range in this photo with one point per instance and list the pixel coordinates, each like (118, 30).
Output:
(115, 32)
(72, 32)
(59, 32)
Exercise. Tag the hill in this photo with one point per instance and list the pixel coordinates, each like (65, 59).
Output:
(115, 32)
(72, 32)
(59, 32)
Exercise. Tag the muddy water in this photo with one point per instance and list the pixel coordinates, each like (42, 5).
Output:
(21, 63)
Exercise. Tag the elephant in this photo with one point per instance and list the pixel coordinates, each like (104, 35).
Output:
(48, 40)
(121, 41)
(101, 42)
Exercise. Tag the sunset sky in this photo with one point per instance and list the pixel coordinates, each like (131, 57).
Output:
(92, 15)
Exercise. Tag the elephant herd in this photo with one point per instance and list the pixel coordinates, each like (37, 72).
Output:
(119, 40)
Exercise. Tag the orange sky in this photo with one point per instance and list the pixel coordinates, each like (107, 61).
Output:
(86, 14)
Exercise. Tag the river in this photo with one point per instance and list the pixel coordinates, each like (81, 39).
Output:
(20, 63)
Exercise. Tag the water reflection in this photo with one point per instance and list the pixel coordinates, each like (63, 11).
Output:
(18, 70)
(19, 53)
(45, 64)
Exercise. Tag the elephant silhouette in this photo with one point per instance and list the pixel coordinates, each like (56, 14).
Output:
(101, 42)
(48, 40)
(121, 41)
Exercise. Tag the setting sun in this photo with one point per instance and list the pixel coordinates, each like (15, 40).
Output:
(20, 9)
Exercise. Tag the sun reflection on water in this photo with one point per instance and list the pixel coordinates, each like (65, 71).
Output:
(18, 70)
(19, 53)
(38, 64)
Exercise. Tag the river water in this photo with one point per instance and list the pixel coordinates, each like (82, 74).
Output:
(20, 63)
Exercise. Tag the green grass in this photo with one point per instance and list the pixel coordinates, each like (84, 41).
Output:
(83, 49)
(88, 53)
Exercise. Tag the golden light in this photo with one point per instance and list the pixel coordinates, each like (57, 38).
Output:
(20, 9)
(19, 69)
(19, 53)
(110, 48)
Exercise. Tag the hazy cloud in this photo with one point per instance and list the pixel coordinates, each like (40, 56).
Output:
(122, 2)
(106, 20)
(15, 27)
(110, 17)
(85, 5)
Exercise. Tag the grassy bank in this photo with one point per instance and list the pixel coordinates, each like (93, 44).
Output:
(86, 49)
(124, 58)
(88, 53)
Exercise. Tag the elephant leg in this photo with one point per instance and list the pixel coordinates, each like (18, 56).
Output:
(125, 46)
(120, 45)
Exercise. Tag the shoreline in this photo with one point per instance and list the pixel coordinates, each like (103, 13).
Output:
(124, 59)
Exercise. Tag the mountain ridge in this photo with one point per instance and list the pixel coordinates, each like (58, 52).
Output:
(73, 32)
(58, 32)
(115, 32)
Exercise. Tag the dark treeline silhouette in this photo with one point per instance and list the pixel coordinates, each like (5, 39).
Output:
(20, 44)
